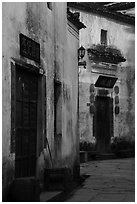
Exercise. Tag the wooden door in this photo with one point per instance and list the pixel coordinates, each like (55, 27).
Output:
(26, 123)
(103, 123)
(57, 118)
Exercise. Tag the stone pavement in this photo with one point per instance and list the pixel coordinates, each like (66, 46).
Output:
(108, 181)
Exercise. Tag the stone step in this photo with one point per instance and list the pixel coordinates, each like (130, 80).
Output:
(25, 189)
(57, 179)
(61, 196)
(86, 156)
(105, 156)
(125, 153)
(49, 195)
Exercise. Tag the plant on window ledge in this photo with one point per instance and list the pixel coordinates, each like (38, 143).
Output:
(104, 53)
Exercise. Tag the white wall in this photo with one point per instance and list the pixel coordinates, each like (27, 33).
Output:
(122, 36)
(58, 56)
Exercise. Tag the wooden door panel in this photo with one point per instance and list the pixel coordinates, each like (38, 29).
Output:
(32, 140)
(25, 143)
(24, 167)
(18, 87)
(103, 123)
(32, 166)
(33, 96)
(25, 92)
(33, 114)
(18, 142)
(33, 87)
(17, 168)
(18, 113)
(26, 123)
(25, 114)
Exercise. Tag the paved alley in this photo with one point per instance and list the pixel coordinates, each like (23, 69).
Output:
(68, 93)
(108, 181)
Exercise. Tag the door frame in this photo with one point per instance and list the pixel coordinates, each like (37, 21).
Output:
(18, 64)
(95, 125)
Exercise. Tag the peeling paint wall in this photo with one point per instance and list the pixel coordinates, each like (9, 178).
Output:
(58, 48)
(122, 36)
(70, 145)
(26, 18)
(66, 145)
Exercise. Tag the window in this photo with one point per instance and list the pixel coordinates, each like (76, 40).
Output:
(103, 37)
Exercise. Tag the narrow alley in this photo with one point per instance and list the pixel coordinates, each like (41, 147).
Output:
(108, 181)
(68, 101)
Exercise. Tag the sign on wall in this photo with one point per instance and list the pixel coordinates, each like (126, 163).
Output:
(105, 81)
(29, 48)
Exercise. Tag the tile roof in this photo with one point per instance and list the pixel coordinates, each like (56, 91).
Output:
(120, 11)
(74, 18)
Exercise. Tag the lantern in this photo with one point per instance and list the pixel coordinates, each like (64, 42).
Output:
(81, 52)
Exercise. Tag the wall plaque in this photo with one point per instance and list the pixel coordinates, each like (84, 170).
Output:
(117, 110)
(116, 99)
(29, 48)
(116, 89)
(105, 81)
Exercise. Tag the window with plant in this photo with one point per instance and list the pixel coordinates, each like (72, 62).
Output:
(105, 53)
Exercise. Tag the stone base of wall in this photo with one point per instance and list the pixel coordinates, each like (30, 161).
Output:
(86, 156)
(24, 190)
(125, 153)
(57, 178)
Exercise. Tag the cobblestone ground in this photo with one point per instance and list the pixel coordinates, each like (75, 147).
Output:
(108, 181)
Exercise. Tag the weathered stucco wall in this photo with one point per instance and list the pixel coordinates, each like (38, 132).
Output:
(121, 36)
(70, 145)
(85, 119)
(66, 72)
(65, 146)
(58, 48)
(34, 20)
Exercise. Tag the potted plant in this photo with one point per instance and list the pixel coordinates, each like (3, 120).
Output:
(123, 147)
(105, 53)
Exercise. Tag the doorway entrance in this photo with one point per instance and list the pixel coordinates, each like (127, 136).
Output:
(103, 123)
(26, 123)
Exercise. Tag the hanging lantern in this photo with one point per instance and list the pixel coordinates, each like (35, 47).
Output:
(81, 52)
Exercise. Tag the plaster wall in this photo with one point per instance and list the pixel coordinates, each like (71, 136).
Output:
(34, 20)
(122, 36)
(66, 72)
(58, 59)
(70, 145)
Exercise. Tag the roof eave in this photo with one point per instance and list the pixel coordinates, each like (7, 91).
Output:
(112, 15)
(75, 20)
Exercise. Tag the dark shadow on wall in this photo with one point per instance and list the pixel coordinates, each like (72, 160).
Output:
(130, 29)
